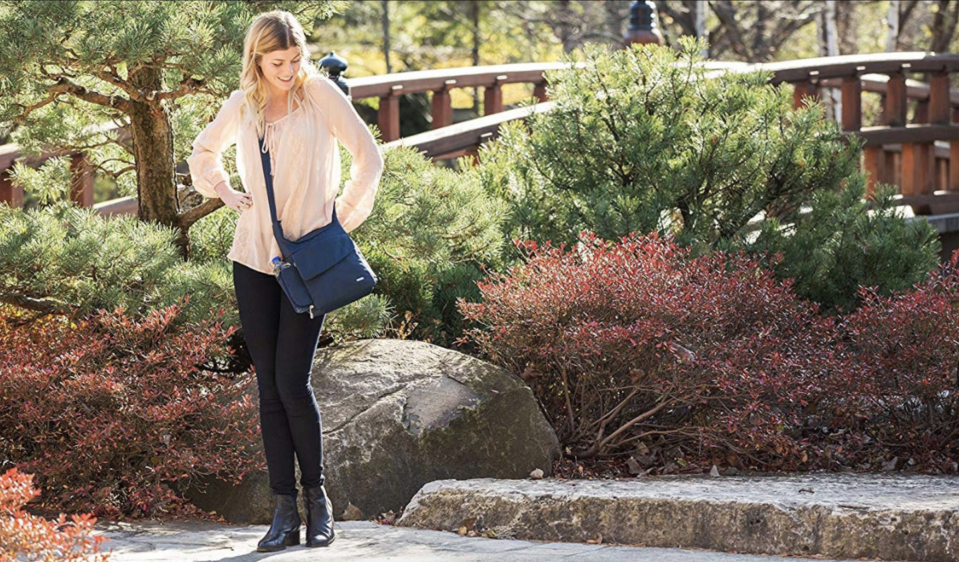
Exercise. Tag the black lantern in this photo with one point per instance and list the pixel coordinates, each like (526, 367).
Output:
(642, 24)
(335, 65)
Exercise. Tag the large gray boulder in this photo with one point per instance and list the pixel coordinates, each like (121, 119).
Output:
(397, 414)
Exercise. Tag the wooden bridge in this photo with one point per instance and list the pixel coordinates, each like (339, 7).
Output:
(914, 154)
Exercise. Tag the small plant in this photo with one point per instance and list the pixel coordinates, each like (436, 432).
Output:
(28, 538)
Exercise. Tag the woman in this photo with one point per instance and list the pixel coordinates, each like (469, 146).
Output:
(285, 119)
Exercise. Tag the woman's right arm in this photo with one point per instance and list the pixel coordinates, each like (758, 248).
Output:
(206, 168)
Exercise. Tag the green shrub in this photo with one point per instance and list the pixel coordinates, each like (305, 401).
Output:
(64, 259)
(431, 233)
(840, 247)
(641, 140)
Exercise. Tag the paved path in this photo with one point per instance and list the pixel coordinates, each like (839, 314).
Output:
(201, 541)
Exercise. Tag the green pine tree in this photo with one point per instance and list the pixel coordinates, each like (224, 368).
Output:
(70, 69)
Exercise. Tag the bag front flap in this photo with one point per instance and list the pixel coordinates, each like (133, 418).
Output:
(321, 253)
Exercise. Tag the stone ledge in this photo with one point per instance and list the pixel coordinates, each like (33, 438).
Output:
(844, 515)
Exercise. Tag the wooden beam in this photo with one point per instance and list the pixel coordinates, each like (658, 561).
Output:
(851, 103)
(895, 107)
(81, 180)
(803, 90)
(442, 107)
(388, 117)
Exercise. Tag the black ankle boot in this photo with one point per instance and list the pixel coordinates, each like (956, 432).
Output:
(285, 529)
(319, 517)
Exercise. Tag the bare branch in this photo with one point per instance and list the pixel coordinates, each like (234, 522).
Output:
(65, 86)
(188, 86)
(44, 306)
(189, 217)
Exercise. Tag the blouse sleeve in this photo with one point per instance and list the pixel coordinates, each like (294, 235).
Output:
(356, 203)
(205, 165)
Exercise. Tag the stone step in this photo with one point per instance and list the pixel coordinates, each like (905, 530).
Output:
(838, 515)
(196, 541)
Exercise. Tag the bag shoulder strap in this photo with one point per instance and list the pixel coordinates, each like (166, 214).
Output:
(268, 179)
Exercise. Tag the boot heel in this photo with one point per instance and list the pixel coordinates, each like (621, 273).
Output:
(292, 538)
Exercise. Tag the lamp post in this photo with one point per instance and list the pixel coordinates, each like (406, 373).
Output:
(642, 24)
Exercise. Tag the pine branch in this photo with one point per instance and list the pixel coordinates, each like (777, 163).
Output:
(47, 305)
(188, 86)
(66, 86)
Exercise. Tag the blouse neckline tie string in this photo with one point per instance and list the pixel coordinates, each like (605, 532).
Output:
(269, 144)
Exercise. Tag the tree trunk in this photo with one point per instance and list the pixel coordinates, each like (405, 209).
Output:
(701, 7)
(474, 53)
(892, 29)
(944, 26)
(614, 21)
(566, 25)
(829, 47)
(153, 150)
(386, 35)
(847, 29)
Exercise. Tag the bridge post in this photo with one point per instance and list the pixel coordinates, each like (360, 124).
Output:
(918, 177)
(894, 115)
(851, 119)
(388, 116)
(493, 97)
(81, 180)
(851, 90)
(10, 194)
(874, 164)
(442, 108)
(895, 109)
(885, 165)
(954, 157)
(939, 114)
(539, 91)
(803, 90)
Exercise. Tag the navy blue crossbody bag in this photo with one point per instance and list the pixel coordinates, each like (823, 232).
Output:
(321, 271)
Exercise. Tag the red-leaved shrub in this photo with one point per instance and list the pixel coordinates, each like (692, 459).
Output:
(113, 415)
(899, 390)
(637, 348)
(634, 344)
(27, 538)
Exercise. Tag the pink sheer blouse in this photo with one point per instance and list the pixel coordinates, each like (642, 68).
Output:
(305, 159)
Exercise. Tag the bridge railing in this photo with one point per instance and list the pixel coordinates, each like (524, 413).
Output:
(896, 151)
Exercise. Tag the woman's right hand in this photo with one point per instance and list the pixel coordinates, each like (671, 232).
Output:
(236, 200)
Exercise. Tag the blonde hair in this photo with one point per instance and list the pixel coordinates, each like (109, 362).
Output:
(277, 30)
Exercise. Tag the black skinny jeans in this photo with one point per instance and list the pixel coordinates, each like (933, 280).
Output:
(282, 344)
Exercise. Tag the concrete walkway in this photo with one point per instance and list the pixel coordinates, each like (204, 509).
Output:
(196, 541)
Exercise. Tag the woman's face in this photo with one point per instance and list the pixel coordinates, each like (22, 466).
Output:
(280, 68)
